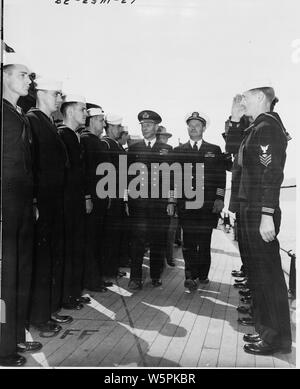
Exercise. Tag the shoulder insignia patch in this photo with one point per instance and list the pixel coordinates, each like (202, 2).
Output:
(265, 157)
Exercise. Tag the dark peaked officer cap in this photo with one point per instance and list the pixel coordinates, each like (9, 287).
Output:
(149, 116)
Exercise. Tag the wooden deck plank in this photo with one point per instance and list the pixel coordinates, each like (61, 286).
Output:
(214, 334)
(141, 318)
(170, 327)
(264, 361)
(192, 352)
(155, 321)
(228, 345)
(173, 329)
(176, 346)
(134, 305)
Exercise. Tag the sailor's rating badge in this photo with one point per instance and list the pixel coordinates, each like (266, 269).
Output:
(265, 157)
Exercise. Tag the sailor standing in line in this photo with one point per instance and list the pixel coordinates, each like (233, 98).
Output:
(94, 154)
(17, 215)
(115, 213)
(77, 201)
(50, 159)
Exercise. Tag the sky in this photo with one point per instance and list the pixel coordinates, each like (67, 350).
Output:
(171, 56)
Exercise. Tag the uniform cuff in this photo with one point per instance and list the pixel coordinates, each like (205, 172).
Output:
(172, 196)
(234, 124)
(267, 211)
(220, 192)
(125, 196)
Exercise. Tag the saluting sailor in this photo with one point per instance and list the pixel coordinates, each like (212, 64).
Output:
(261, 158)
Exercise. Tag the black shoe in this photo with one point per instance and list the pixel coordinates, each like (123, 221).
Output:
(135, 285)
(29, 347)
(291, 294)
(246, 300)
(243, 309)
(245, 293)
(251, 338)
(241, 280)
(238, 273)
(72, 305)
(107, 283)
(203, 281)
(240, 285)
(246, 321)
(171, 262)
(157, 282)
(48, 327)
(61, 319)
(262, 348)
(14, 360)
(190, 284)
(83, 300)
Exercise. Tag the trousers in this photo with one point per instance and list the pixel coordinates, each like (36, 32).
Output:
(269, 290)
(48, 262)
(149, 225)
(17, 253)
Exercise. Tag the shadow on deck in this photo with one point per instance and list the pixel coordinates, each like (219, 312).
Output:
(161, 327)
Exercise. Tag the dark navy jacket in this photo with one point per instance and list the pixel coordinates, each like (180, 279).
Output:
(50, 156)
(94, 154)
(158, 154)
(17, 147)
(214, 170)
(261, 157)
(75, 183)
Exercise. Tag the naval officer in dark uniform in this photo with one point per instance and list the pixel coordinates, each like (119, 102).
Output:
(94, 154)
(17, 215)
(197, 224)
(50, 159)
(261, 158)
(150, 217)
(77, 201)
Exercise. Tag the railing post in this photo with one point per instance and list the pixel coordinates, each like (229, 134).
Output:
(292, 276)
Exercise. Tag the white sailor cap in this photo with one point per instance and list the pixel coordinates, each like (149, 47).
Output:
(114, 119)
(95, 111)
(70, 98)
(48, 84)
(256, 83)
(197, 115)
(15, 59)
